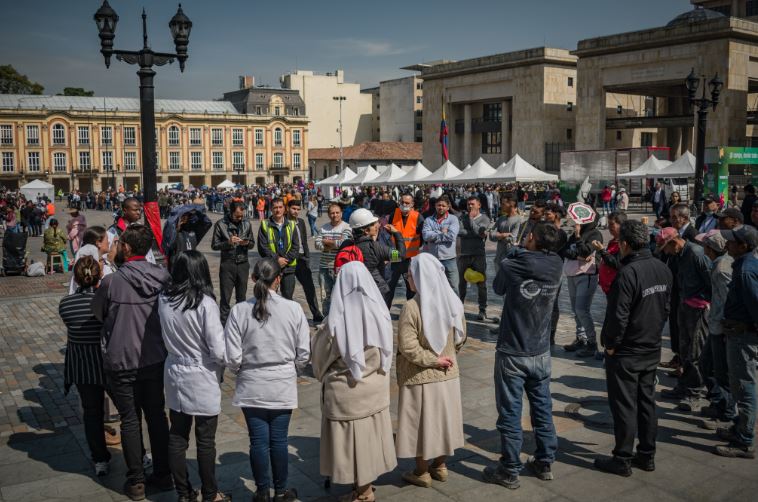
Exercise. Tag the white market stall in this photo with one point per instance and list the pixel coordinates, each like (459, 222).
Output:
(38, 188)
(390, 174)
(364, 176)
(338, 179)
(446, 172)
(648, 169)
(683, 167)
(414, 176)
(478, 170)
(517, 169)
(226, 185)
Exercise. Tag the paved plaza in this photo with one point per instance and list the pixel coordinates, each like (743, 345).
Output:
(44, 456)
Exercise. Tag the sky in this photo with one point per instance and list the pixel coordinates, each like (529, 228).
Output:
(55, 42)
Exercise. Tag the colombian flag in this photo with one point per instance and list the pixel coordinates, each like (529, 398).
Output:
(443, 135)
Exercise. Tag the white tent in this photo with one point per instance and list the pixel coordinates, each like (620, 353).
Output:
(340, 178)
(444, 173)
(478, 170)
(648, 169)
(225, 185)
(683, 167)
(392, 173)
(517, 169)
(36, 188)
(365, 174)
(327, 180)
(414, 176)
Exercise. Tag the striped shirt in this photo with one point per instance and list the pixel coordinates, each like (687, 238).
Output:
(338, 234)
(84, 358)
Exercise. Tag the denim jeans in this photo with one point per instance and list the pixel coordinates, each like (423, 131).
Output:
(581, 290)
(268, 446)
(451, 272)
(326, 278)
(742, 358)
(312, 223)
(513, 375)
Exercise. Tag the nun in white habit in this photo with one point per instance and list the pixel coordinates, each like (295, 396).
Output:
(351, 357)
(431, 331)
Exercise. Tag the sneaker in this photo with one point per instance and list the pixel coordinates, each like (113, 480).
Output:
(690, 403)
(147, 461)
(709, 411)
(287, 495)
(495, 319)
(134, 491)
(727, 434)
(588, 350)
(497, 476)
(714, 424)
(575, 345)
(675, 394)
(261, 496)
(101, 469)
(614, 465)
(424, 480)
(161, 483)
(438, 473)
(540, 469)
(644, 462)
(735, 450)
(192, 497)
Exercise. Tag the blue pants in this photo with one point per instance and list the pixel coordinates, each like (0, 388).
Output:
(581, 290)
(451, 272)
(513, 375)
(268, 446)
(742, 358)
(312, 223)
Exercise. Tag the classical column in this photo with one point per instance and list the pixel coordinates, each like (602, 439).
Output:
(466, 136)
(674, 134)
(506, 131)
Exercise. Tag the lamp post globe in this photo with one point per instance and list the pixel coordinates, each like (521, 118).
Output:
(106, 20)
(180, 26)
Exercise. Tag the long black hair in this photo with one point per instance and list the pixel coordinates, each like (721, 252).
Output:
(190, 280)
(265, 272)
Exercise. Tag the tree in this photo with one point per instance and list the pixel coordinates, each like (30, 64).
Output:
(76, 91)
(12, 82)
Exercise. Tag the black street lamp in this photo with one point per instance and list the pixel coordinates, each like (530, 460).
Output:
(180, 25)
(703, 104)
(238, 169)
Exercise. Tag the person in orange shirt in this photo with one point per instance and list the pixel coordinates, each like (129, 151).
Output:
(260, 206)
(409, 223)
(49, 213)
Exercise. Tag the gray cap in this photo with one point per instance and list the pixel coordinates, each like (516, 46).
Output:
(716, 242)
(744, 234)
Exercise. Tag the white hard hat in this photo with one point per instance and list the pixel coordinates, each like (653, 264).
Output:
(362, 218)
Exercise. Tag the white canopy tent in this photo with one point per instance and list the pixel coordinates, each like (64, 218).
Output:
(338, 179)
(478, 170)
(517, 169)
(443, 174)
(225, 185)
(648, 169)
(36, 188)
(683, 167)
(365, 175)
(415, 176)
(392, 173)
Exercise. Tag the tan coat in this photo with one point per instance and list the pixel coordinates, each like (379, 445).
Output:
(344, 398)
(416, 362)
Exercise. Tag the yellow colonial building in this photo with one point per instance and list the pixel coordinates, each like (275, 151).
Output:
(85, 142)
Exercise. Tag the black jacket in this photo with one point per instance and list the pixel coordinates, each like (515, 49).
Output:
(638, 305)
(376, 255)
(581, 247)
(222, 233)
(305, 252)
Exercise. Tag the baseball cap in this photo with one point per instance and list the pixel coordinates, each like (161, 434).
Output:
(665, 236)
(744, 234)
(713, 239)
(731, 212)
(710, 198)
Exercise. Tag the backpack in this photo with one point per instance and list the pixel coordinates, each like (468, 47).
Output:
(348, 252)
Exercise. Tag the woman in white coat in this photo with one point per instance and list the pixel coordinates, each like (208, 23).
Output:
(194, 339)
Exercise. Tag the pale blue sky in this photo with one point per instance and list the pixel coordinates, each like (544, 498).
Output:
(55, 41)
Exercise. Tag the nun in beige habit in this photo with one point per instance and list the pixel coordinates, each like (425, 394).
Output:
(351, 357)
(431, 331)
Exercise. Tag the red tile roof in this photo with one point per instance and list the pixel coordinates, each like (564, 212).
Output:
(370, 150)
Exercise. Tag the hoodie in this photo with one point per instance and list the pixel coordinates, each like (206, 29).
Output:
(127, 304)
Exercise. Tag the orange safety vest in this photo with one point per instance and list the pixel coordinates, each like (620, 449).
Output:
(411, 238)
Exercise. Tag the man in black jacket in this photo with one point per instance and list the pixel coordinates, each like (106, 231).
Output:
(303, 268)
(638, 306)
(277, 238)
(233, 236)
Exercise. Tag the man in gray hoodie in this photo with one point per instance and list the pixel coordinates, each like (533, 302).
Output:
(133, 356)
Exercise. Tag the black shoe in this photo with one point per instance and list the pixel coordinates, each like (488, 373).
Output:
(735, 450)
(614, 465)
(540, 469)
(498, 476)
(261, 496)
(192, 497)
(134, 491)
(288, 495)
(644, 462)
(318, 319)
(587, 351)
(161, 483)
(574, 346)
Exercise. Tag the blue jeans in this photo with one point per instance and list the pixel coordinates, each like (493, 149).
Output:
(451, 272)
(326, 278)
(513, 375)
(268, 446)
(312, 223)
(742, 359)
(581, 290)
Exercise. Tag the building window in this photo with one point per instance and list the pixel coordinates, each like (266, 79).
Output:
(130, 136)
(259, 137)
(84, 161)
(238, 160)
(278, 160)
(418, 126)
(277, 137)
(646, 139)
(106, 136)
(296, 137)
(419, 100)
(258, 110)
(173, 136)
(571, 81)
(32, 135)
(59, 134)
(196, 161)
(32, 161)
(107, 161)
(130, 161)
(569, 106)
(492, 142)
(419, 113)
(155, 131)
(238, 136)
(277, 111)
(6, 134)
(569, 134)
(419, 86)
(218, 160)
(8, 162)
(492, 112)
(259, 162)
(173, 161)
(59, 162)
(296, 111)
(295, 161)
(618, 135)
(196, 135)
(217, 137)
(82, 135)
(751, 8)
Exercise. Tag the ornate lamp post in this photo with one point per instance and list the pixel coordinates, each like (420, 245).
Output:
(180, 25)
(340, 99)
(703, 104)
(238, 169)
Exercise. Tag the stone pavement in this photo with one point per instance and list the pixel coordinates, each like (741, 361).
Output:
(43, 454)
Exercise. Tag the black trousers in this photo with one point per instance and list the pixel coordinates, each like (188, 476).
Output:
(304, 276)
(631, 397)
(674, 321)
(555, 316)
(287, 286)
(478, 263)
(399, 269)
(143, 388)
(178, 442)
(92, 398)
(232, 277)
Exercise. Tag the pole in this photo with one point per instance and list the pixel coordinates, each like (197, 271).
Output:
(342, 160)
(702, 117)
(147, 133)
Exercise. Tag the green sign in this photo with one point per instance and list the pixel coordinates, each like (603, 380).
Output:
(717, 164)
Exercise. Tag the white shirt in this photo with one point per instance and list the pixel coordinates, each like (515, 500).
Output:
(266, 355)
(194, 340)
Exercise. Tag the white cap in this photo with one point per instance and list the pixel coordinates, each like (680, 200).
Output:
(362, 218)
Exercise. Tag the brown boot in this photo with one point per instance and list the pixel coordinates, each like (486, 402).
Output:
(134, 491)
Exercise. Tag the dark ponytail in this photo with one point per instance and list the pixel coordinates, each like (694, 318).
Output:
(265, 272)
